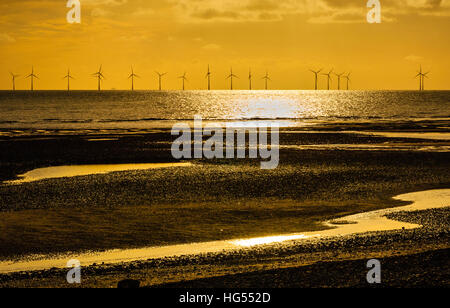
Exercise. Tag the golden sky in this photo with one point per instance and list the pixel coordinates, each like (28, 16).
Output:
(286, 37)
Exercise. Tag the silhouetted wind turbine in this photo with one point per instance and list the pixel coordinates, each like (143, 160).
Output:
(422, 77)
(339, 79)
(348, 79)
(14, 80)
(316, 73)
(184, 79)
(231, 76)
(267, 78)
(132, 75)
(100, 77)
(32, 76)
(329, 80)
(68, 76)
(160, 76)
(208, 75)
(250, 76)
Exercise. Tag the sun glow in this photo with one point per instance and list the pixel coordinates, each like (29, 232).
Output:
(269, 240)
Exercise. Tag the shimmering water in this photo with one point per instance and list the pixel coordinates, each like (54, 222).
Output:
(148, 109)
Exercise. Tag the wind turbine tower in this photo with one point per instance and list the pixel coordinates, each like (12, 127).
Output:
(339, 76)
(132, 75)
(329, 80)
(316, 73)
(422, 77)
(348, 80)
(208, 75)
(32, 76)
(267, 79)
(68, 76)
(160, 76)
(100, 77)
(231, 76)
(184, 79)
(13, 81)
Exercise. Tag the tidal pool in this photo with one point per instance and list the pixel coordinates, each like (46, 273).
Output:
(82, 170)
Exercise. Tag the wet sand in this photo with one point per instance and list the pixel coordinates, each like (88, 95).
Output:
(375, 221)
(410, 258)
(221, 200)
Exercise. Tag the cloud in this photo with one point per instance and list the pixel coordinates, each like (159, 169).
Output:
(413, 58)
(6, 38)
(98, 12)
(211, 47)
(103, 2)
(315, 11)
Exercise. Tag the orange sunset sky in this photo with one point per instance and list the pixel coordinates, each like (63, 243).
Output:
(287, 37)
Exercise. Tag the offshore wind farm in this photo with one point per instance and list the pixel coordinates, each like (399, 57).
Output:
(317, 85)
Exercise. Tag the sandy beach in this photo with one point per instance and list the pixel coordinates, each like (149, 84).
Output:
(213, 200)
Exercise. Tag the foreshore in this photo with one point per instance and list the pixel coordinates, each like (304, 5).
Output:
(214, 200)
(410, 258)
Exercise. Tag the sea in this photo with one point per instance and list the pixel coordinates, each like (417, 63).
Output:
(74, 111)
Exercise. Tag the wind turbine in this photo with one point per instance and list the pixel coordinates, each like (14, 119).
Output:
(348, 79)
(208, 75)
(422, 77)
(68, 76)
(231, 76)
(184, 79)
(100, 77)
(329, 80)
(250, 76)
(160, 76)
(14, 80)
(339, 76)
(316, 73)
(32, 76)
(132, 75)
(267, 78)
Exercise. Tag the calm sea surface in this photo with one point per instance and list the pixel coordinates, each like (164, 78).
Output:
(147, 109)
